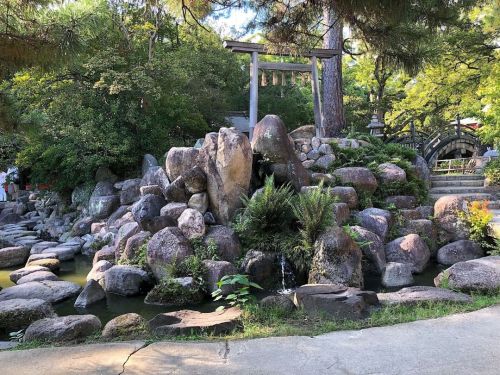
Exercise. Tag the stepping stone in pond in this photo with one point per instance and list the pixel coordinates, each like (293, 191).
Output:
(16, 275)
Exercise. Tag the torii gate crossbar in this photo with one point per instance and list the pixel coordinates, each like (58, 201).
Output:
(255, 49)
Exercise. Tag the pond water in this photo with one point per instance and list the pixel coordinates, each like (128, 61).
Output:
(76, 271)
(114, 305)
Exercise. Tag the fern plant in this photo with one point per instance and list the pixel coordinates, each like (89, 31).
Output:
(314, 213)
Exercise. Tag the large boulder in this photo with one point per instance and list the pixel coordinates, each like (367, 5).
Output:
(92, 292)
(65, 328)
(226, 240)
(376, 220)
(270, 140)
(337, 301)
(129, 325)
(195, 180)
(156, 176)
(82, 226)
(401, 201)
(346, 194)
(446, 217)
(13, 256)
(389, 173)
(459, 251)
(226, 159)
(216, 270)
(103, 200)
(157, 223)
(361, 178)
(147, 207)
(50, 291)
(148, 161)
(180, 160)
(19, 313)
(425, 229)
(261, 267)
(134, 243)
(397, 275)
(126, 280)
(192, 224)
(199, 202)
(130, 191)
(337, 259)
(409, 249)
(422, 170)
(98, 270)
(372, 247)
(176, 191)
(166, 247)
(341, 213)
(173, 209)
(124, 233)
(477, 275)
(416, 295)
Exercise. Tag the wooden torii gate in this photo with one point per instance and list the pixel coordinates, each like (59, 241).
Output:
(255, 49)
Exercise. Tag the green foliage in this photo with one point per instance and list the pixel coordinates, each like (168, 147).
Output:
(240, 296)
(476, 218)
(124, 95)
(140, 259)
(377, 153)
(313, 211)
(266, 221)
(205, 251)
(492, 171)
(10, 144)
(170, 292)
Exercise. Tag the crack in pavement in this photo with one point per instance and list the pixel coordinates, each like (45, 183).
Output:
(224, 351)
(130, 356)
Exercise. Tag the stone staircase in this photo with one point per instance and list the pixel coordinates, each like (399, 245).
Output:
(469, 186)
(494, 225)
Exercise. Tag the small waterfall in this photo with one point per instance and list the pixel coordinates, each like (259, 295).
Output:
(287, 277)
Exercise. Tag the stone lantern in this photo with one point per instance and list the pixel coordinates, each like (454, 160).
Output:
(376, 127)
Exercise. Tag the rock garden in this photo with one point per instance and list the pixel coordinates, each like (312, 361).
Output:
(286, 234)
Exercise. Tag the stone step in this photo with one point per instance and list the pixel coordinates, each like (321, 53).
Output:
(494, 205)
(470, 197)
(452, 177)
(456, 190)
(458, 183)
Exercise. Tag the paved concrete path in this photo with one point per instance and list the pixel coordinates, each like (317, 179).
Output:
(459, 344)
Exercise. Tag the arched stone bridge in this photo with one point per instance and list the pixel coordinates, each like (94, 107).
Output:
(446, 143)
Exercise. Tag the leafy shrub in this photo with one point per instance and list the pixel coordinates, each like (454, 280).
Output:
(267, 219)
(492, 171)
(313, 211)
(205, 251)
(139, 260)
(476, 217)
(241, 295)
(170, 292)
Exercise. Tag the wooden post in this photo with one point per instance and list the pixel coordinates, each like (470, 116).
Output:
(318, 112)
(254, 92)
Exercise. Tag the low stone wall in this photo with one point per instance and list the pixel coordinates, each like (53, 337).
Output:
(318, 152)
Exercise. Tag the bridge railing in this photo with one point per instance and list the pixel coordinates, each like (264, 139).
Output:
(462, 165)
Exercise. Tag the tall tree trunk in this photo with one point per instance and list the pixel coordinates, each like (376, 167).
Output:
(333, 100)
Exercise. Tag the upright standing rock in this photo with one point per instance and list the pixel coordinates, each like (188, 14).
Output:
(226, 158)
(270, 139)
(337, 260)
